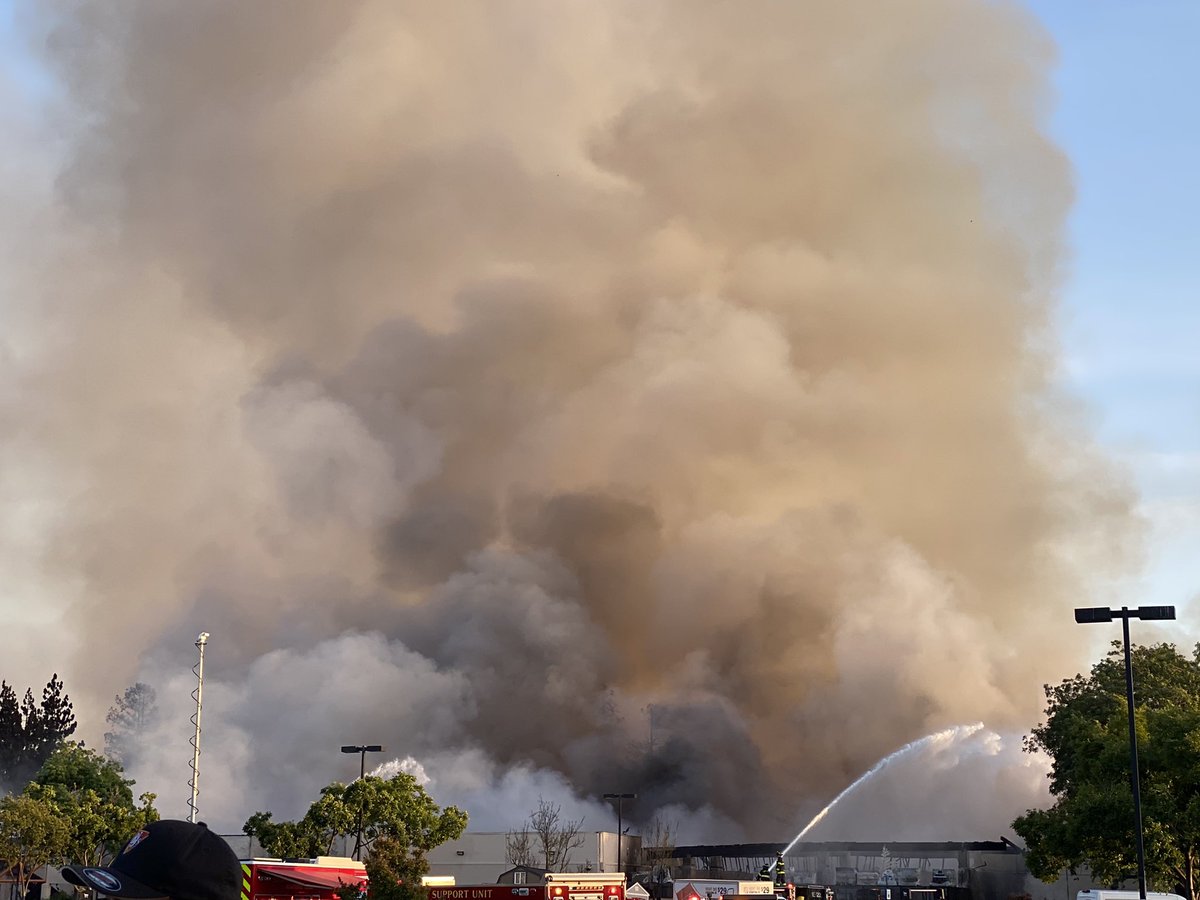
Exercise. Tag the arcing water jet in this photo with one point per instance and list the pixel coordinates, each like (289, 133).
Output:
(958, 732)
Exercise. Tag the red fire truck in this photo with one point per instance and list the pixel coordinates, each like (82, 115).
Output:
(585, 886)
(487, 892)
(300, 879)
(558, 886)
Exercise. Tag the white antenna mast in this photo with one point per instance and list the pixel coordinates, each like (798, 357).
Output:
(198, 696)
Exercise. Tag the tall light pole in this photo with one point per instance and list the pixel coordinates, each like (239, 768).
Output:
(362, 750)
(198, 696)
(619, 798)
(1088, 615)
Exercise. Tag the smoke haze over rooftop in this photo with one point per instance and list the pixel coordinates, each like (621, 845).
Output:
(481, 375)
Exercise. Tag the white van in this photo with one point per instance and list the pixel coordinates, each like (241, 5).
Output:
(1124, 895)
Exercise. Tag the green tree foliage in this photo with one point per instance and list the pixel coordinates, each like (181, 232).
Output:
(1086, 736)
(130, 718)
(95, 799)
(33, 834)
(56, 719)
(30, 732)
(26, 762)
(397, 809)
(73, 768)
(394, 870)
(12, 736)
(284, 839)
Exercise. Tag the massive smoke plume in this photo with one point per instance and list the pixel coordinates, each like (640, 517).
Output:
(491, 378)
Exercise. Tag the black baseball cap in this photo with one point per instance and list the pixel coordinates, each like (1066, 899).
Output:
(168, 858)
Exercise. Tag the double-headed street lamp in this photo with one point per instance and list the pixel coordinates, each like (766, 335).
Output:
(362, 750)
(619, 798)
(1088, 615)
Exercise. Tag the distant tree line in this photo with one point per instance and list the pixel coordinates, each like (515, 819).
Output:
(68, 803)
(65, 802)
(79, 808)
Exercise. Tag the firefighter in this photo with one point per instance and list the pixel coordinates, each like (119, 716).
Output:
(780, 871)
(167, 859)
(764, 874)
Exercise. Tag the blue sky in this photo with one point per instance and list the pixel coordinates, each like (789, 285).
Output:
(1129, 319)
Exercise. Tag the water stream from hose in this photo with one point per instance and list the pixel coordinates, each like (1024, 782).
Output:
(948, 735)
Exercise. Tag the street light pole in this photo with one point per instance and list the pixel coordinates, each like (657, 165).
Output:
(362, 750)
(1093, 614)
(1133, 760)
(619, 798)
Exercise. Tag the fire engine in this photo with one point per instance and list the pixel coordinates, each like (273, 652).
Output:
(558, 886)
(487, 892)
(300, 879)
(585, 886)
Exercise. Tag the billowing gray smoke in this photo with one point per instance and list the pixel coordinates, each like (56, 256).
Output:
(487, 375)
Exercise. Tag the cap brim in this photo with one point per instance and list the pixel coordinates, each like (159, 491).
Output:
(109, 882)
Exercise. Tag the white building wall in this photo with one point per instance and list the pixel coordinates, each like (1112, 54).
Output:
(480, 857)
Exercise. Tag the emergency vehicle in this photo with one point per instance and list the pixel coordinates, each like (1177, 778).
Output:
(585, 886)
(300, 879)
(716, 889)
(557, 886)
(487, 892)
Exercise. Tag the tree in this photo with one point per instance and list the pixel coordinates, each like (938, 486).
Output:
(394, 870)
(1086, 737)
(131, 716)
(32, 736)
(553, 837)
(56, 719)
(518, 847)
(30, 732)
(33, 834)
(658, 847)
(396, 808)
(73, 767)
(96, 799)
(12, 737)
(283, 839)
